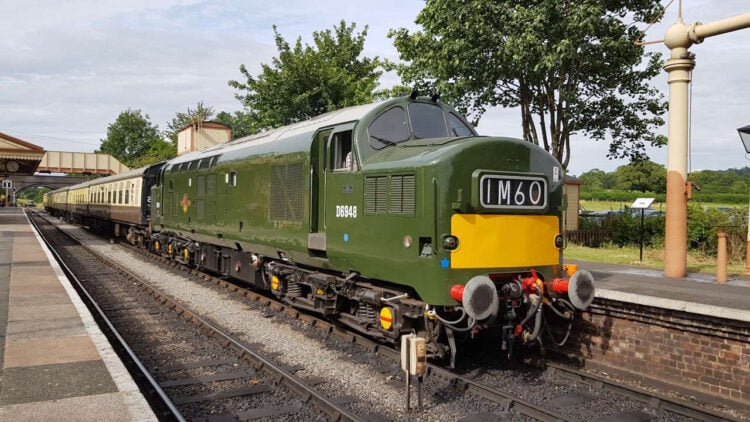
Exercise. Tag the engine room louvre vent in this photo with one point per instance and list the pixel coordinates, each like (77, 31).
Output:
(287, 192)
(200, 209)
(403, 199)
(376, 194)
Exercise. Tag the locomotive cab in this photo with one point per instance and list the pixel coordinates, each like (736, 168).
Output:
(472, 224)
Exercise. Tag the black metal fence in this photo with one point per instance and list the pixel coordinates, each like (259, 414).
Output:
(590, 238)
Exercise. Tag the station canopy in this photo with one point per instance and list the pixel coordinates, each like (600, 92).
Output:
(22, 158)
(19, 157)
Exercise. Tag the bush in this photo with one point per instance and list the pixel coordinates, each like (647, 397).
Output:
(626, 195)
(702, 228)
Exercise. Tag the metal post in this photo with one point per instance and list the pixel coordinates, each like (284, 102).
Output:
(679, 67)
(408, 392)
(678, 39)
(419, 392)
(747, 258)
(721, 259)
(642, 214)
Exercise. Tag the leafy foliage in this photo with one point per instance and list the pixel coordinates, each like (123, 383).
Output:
(158, 151)
(305, 81)
(34, 194)
(242, 123)
(643, 176)
(646, 178)
(569, 66)
(132, 136)
(596, 179)
(703, 225)
(198, 114)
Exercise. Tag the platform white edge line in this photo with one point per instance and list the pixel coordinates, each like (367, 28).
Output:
(136, 403)
(676, 305)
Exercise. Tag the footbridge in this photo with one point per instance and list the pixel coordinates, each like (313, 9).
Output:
(21, 162)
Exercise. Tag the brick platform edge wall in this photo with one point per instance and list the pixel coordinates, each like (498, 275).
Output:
(695, 354)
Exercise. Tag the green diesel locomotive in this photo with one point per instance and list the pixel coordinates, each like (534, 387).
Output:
(393, 217)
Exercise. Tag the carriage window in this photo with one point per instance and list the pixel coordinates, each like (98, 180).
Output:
(127, 196)
(456, 126)
(342, 155)
(389, 128)
(193, 165)
(204, 163)
(427, 121)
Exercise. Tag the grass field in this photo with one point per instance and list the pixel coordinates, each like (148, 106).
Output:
(652, 258)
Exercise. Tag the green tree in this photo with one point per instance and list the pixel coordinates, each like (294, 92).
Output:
(643, 176)
(242, 123)
(130, 137)
(181, 120)
(593, 179)
(34, 194)
(305, 81)
(158, 151)
(596, 179)
(569, 66)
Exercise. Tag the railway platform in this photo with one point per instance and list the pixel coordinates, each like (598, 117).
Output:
(697, 293)
(55, 363)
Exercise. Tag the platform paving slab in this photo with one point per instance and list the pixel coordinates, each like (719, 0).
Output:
(41, 312)
(49, 350)
(66, 327)
(57, 381)
(697, 293)
(55, 363)
(96, 408)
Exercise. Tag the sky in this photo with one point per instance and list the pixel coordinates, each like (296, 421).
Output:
(69, 67)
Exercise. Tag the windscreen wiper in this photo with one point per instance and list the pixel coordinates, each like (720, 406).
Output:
(383, 140)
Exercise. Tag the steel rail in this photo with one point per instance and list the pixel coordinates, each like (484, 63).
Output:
(259, 362)
(161, 397)
(510, 402)
(652, 399)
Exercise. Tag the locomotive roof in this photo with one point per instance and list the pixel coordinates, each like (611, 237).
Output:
(332, 118)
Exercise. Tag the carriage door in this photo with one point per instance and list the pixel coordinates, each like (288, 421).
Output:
(316, 240)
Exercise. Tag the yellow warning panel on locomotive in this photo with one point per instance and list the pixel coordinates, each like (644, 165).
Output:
(504, 241)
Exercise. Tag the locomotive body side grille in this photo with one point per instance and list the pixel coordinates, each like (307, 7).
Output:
(376, 194)
(403, 194)
(287, 192)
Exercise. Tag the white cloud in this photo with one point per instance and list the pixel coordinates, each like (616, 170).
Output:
(69, 67)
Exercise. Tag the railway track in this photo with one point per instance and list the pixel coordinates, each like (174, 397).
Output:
(190, 366)
(650, 406)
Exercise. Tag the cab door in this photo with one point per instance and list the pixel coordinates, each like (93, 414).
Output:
(316, 240)
(343, 191)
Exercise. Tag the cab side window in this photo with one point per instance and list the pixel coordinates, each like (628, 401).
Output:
(342, 153)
